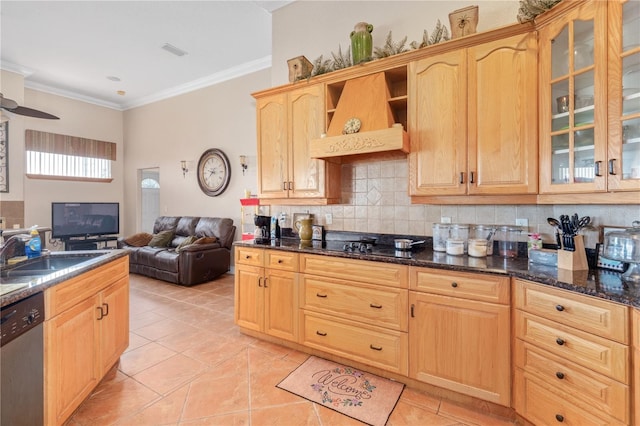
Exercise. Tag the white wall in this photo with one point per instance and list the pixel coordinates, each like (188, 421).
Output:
(182, 128)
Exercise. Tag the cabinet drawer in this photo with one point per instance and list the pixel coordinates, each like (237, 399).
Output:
(365, 271)
(534, 401)
(593, 352)
(383, 306)
(386, 349)
(635, 327)
(600, 317)
(593, 391)
(282, 260)
(63, 296)
(249, 256)
(487, 288)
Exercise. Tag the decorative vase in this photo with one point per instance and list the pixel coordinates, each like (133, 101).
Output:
(361, 43)
(304, 229)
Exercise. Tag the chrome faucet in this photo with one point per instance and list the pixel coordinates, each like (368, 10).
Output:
(11, 245)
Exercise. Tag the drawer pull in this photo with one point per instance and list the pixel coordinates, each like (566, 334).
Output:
(279, 260)
(376, 348)
(321, 295)
(454, 284)
(247, 257)
(375, 306)
(560, 418)
(560, 375)
(560, 341)
(321, 333)
(559, 308)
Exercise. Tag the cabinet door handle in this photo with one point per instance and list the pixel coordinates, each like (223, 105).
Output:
(259, 281)
(106, 305)
(612, 166)
(412, 313)
(375, 306)
(560, 375)
(290, 186)
(321, 295)
(560, 341)
(461, 177)
(560, 418)
(597, 165)
(454, 284)
(284, 186)
(265, 282)
(559, 308)
(321, 333)
(471, 177)
(101, 312)
(376, 348)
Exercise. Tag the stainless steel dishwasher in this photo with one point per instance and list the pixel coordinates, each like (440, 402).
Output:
(21, 362)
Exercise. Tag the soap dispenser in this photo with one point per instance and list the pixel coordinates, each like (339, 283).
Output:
(33, 248)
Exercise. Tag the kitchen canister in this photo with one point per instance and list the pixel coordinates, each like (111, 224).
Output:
(460, 231)
(455, 247)
(508, 241)
(485, 232)
(478, 247)
(440, 235)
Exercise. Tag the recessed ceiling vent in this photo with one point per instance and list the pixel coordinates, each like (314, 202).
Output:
(172, 49)
(374, 101)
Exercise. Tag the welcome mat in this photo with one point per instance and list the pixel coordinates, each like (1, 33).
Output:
(354, 393)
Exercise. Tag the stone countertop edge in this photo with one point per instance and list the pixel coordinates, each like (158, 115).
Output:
(598, 283)
(39, 284)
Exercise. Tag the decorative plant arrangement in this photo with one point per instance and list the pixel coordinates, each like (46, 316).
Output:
(440, 34)
(390, 48)
(529, 9)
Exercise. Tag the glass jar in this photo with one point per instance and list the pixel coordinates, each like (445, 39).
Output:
(460, 232)
(486, 232)
(440, 235)
(455, 247)
(508, 241)
(478, 247)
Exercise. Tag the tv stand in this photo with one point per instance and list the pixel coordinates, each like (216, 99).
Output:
(88, 243)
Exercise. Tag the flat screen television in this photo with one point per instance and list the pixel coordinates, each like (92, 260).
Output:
(69, 220)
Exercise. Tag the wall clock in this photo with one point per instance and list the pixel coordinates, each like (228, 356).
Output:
(214, 172)
(351, 126)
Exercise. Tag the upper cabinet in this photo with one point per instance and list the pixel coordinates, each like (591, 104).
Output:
(590, 99)
(286, 122)
(472, 120)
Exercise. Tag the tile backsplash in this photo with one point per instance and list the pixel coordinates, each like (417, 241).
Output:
(375, 199)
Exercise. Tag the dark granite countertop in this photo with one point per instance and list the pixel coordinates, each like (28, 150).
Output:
(28, 285)
(599, 283)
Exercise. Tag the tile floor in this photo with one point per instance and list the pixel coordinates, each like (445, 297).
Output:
(187, 364)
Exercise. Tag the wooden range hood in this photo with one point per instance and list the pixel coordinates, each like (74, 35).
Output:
(366, 98)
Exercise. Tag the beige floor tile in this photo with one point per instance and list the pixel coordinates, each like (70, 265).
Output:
(161, 328)
(329, 417)
(302, 413)
(171, 373)
(233, 419)
(143, 319)
(420, 399)
(213, 395)
(144, 357)
(469, 416)
(165, 411)
(408, 415)
(136, 341)
(265, 373)
(215, 349)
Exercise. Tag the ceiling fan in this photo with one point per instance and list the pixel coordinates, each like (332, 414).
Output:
(12, 106)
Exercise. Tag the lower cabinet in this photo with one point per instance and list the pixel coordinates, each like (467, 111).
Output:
(572, 357)
(85, 332)
(266, 292)
(635, 328)
(458, 339)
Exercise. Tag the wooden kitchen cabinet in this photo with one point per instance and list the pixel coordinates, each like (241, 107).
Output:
(635, 328)
(286, 122)
(86, 331)
(266, 292)
(473, 120)
(458, 340)
(590, 100)
(575, 349)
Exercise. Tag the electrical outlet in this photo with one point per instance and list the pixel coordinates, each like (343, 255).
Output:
(328, 218)
(522, 222)
(445, 219)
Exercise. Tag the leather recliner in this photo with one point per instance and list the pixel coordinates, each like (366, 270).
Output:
(194, 263)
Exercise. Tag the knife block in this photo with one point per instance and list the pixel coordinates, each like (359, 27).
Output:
(574, 260)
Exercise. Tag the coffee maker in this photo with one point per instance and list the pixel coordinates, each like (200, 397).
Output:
(262, 232)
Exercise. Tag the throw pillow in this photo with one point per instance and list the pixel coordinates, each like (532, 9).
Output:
(161, 239)
(139, 240)
(187, 241)
(206, 240)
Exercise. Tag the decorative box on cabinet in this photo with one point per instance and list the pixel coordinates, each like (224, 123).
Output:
(355, 309)
(266, 292)
(85, 332)
(286, 122)
(459, 332)
(473, 120)
(574, 348)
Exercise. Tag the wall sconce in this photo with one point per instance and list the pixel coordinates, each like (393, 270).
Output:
(185, 168)
(243, 163)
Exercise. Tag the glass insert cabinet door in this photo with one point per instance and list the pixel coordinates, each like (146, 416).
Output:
(623, 166)
(573, 101)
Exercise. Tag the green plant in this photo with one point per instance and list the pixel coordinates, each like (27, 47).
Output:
(341, 61)
(440, 34)
(529, 9)
(390, 48)
(321, 66)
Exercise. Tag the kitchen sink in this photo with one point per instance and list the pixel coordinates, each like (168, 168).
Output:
(45, 265)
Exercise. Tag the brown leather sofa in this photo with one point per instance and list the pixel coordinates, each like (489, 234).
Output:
(191, 264)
